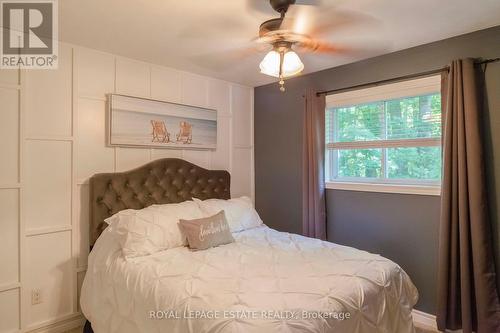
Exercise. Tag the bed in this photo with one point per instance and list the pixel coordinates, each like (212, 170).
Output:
(266, 281)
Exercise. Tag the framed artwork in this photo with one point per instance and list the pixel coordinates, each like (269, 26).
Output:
(140, 122)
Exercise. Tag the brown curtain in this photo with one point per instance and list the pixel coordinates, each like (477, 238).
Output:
(313, 198)
(467, 293)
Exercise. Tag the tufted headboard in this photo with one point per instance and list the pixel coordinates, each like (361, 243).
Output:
(168, 180)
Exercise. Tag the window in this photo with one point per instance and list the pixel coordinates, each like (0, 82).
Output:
(386, 138)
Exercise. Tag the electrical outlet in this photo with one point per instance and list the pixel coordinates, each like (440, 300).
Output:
(36, 296)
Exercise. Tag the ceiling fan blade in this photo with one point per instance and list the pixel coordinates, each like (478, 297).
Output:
(316, 21)
(300, 19)
(342, 19)
(362, 49)
(321, 47)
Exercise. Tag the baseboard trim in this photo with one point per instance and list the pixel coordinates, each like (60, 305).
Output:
(61, 326)
(423, 319)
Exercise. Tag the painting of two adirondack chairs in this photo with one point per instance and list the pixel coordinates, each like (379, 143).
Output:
(149, 123)
(160, 133)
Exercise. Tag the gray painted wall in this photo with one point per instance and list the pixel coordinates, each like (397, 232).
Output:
(400, 227)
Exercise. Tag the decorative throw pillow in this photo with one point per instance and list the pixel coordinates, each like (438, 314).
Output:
(207, 232)
(240, 213)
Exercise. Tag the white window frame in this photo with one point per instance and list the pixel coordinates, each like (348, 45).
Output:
(414, 87)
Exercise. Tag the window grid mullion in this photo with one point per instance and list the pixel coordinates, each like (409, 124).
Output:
(335, 155)
(401, 143)
(384, 136)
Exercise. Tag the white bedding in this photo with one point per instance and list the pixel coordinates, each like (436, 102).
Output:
(267, 281)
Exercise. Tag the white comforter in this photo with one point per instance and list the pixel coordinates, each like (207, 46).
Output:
(267, 281)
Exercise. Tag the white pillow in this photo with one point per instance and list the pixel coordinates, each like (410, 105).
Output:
(154, 228)
(240, 213)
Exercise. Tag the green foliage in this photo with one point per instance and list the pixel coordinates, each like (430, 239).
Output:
(359, 123)
(360, 163)
(414, 163)
(414, 117)
(398, 119)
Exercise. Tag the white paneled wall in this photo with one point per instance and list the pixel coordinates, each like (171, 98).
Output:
(48, 99)
(49, 270)
(47, 184)
(242, 129)
(9, 236)
(9, 308)
(52, 139)
(9, 135)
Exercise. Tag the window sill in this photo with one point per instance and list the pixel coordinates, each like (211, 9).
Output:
(385, 188)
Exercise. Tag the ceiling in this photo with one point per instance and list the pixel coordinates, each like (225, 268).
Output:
(206, 36)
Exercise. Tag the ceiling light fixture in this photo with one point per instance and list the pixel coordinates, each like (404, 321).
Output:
(295, 29)
(281, 62)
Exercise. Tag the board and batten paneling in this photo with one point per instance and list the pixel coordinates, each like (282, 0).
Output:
(96, 74)
(9, 135)
(243, 152)
(9, 77)
(10, 222)
(47, 198)
(49, 269)
(9, 310)
(49, 98)
(165, 84)
(242, 116)
(9, 236)
(132, 78)
(194, 90)
(91, 155)
(53, 139)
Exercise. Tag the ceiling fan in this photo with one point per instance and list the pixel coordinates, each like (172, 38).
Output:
(294, 29)
(299, 29)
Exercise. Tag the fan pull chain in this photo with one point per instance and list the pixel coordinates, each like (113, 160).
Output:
(282, 81)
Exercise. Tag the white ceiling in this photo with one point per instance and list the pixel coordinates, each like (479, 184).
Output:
(204, 36)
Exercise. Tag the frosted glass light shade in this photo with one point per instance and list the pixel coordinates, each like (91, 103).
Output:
(270, 65)
(292, 64)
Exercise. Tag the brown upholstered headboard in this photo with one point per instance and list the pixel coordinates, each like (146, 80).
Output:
(168, 180)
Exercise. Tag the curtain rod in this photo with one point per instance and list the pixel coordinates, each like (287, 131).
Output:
(399, 78)
(486, 61)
